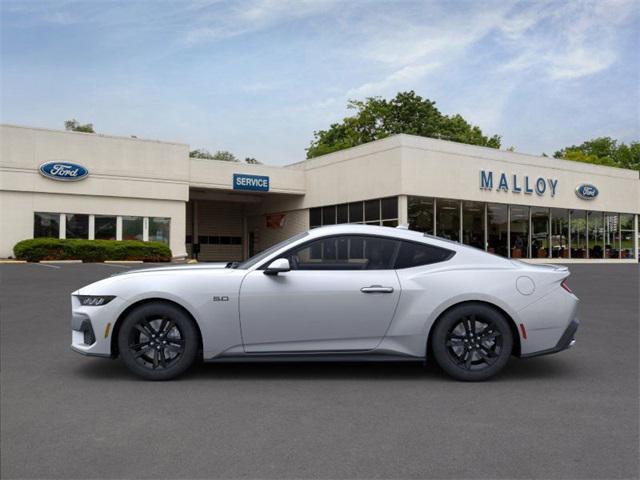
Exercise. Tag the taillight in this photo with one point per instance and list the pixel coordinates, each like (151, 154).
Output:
(565, 286)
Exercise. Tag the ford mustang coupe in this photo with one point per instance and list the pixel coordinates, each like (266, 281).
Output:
(339, 293)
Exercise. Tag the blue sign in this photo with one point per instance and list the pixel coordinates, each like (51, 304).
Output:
(63, 171)
(586, 191)
(518, 183)
(256, 183)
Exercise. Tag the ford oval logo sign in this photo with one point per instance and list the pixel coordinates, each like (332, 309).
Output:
(586, 191)
(64, 171)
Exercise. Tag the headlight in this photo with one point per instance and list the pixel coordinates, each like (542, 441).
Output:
(95, 300)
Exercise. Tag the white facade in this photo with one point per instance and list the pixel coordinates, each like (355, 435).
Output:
(138, 183)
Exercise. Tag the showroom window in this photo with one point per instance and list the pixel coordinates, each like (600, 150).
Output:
(539, 232)
(159, 229)
(519, 232)
(611, 234)
(46, 225)
(380, 211)
(497, 229)
(473, 224)
(105, 227)
(77, 226)
(626, 236)
(420, 214)
(559, 233)
(578, 234)
(132, 228)
(448, 219)
(595, 236)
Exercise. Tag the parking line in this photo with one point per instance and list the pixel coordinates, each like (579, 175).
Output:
(113, 265)
(46, 265)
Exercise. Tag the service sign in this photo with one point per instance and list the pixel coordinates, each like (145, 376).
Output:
(586, 191)
(257, 183)
(63, 171)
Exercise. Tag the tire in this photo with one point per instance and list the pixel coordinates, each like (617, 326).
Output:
(472, 342)
(158, 341)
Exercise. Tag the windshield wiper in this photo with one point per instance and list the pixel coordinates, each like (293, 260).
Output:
(232, 265)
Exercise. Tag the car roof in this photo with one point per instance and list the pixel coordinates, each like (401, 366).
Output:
(404, 234)
(393, 232)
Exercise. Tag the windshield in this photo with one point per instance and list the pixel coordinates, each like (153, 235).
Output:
(265, 253)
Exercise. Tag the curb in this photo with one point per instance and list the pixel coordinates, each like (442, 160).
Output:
(60, 261)
(123, 261)
(3, 261)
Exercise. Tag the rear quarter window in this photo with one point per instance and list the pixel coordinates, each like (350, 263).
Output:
(416, 254)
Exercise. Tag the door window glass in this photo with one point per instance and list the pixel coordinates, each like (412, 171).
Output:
(350, 252)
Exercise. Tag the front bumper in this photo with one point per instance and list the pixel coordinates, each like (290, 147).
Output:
(91, 327)
(567, 340)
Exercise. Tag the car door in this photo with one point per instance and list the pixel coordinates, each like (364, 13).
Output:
(340, 295)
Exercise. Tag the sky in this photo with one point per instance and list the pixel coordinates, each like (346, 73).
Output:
(258, 77)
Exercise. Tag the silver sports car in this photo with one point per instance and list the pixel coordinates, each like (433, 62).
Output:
(339, 293)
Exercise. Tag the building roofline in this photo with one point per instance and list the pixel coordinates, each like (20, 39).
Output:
(117, 137)
(448, 146)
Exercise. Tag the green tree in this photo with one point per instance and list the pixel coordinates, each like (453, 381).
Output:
(252, 161)
(377, 118)
(604, 151)
(219, 155)
(75, 126)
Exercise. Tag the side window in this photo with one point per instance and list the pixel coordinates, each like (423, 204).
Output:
(349, 252)
(416, 254)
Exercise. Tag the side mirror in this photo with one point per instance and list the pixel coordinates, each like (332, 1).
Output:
(277, 266)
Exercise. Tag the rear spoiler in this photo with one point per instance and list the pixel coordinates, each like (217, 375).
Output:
(545, 266)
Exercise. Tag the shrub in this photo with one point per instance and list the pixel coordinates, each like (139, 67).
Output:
(36, 249)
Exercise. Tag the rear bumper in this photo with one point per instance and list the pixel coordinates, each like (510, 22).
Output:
(567, 340)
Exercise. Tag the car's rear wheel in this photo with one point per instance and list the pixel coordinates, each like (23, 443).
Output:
(472, 342)
(158, 341)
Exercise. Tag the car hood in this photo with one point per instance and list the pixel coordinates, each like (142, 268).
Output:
(175, 268)
(128, 282)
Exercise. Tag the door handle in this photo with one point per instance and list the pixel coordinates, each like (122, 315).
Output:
(376, 289)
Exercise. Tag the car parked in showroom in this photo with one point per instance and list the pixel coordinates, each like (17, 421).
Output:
(338, 293)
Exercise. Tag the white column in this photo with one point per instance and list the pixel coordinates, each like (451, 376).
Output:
(403, 210)
(118, 228)
(63, 225)
(92, 227)
(461, 222)
(635, 237)
(145, 229)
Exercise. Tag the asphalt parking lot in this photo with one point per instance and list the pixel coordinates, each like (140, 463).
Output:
(570, 415)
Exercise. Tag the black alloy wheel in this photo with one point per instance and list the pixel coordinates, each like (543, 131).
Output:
(158, 341)
(472, 342)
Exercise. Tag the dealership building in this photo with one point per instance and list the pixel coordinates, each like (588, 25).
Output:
(78, 185)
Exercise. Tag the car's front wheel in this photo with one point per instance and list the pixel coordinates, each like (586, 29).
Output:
(472, 342)
(158, 341)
